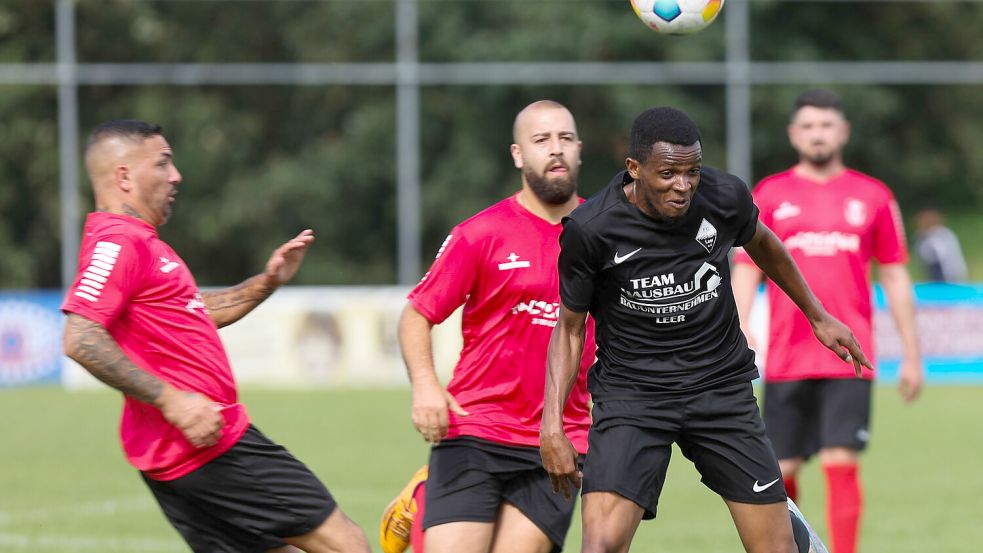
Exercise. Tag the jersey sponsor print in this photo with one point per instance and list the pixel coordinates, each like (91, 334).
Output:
(832, 230)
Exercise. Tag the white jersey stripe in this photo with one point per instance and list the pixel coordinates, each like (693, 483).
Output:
(85, 296)
(111, 255)
(109, 245)
(92, 276)
(91, 283)
(100, 267)
(105, 258)
(97, 271)
(89, 290)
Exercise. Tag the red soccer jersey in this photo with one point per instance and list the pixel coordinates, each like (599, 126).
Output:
(501, 265)
(832, 230)
(134, 285)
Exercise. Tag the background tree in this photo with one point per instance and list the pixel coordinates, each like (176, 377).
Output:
(261, 162)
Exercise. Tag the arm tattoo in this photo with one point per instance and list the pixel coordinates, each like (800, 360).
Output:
(91, 346)
(231, 304)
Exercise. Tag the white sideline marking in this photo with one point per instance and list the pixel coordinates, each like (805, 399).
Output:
(104, 508)
(14, 520)
(86, 543)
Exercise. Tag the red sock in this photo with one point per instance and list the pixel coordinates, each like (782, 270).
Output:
(791, 488)
(843, 506)
(416, 531)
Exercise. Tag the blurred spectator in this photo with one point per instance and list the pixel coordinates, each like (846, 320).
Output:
(938, 248)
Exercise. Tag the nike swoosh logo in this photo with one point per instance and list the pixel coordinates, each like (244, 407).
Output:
(758, 488)
(618, 259)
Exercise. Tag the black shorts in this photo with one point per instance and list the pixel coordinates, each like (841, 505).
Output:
(245, 500)
(719, 430)
(470, 477)
(804, 416)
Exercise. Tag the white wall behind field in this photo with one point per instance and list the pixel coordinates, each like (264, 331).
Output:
(306, 337)
(322, 337)
(331, 336)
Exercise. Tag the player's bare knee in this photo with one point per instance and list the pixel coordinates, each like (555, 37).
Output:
(779, 542)
(600, 542)
(337, 534)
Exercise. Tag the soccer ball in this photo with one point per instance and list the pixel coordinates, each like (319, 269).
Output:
(677, 17)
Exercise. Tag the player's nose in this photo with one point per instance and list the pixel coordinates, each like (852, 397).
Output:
(683, 184)
(556, 146)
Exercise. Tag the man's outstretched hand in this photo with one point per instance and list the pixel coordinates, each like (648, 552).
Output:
(837, 337)
(286, 259)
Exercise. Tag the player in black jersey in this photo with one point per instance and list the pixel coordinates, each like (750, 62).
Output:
(647, 258)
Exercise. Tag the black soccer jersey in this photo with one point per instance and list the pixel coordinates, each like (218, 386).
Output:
(659, 290)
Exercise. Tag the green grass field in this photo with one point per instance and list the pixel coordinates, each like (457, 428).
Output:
(65, 487)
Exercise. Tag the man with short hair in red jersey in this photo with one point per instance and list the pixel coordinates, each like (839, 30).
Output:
(138, 322)
(833, 221)
(487, 489)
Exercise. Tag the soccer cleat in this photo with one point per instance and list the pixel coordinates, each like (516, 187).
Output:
(805, 537)
(397, 519)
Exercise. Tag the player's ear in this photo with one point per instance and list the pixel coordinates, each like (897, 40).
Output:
(121, 177)
(633, 166)
(516, 155)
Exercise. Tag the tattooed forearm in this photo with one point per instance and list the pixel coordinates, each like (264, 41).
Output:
(91, 346)
(231, 304)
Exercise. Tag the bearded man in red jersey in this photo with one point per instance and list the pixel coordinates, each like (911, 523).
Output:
(833, 221)
(487, 490)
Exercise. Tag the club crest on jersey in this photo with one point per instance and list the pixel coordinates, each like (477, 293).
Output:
(855, 212)
(707, 235)
(513, 263)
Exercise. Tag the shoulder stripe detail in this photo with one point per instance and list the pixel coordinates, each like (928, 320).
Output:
(83, 295)
(92, 276)
(440, 251)
(97, 271)
(100, 267)
(90, 283)
(898, 221)
(105, 258)
(102, 264)
(109, 246)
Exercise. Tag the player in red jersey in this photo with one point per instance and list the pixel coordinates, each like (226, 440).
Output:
(833, 221)
(486, 489)
(138, 322)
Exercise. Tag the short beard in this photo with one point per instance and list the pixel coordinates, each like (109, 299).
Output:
(820, 159)
(553, 191)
